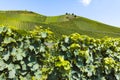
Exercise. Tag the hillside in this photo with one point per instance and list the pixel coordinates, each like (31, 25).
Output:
(63, 24)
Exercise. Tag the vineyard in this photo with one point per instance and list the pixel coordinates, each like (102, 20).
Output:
(73, 57)
(61, 24)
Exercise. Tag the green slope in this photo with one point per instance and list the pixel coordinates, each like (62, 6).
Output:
(63, 24)
(86, 27)
(21, 19)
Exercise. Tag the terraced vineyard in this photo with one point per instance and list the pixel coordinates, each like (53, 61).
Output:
(63, 24)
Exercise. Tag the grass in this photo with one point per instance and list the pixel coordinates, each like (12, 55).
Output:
(63, 24)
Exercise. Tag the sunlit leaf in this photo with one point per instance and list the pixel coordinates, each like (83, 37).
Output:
(12, 73)
(43, 34)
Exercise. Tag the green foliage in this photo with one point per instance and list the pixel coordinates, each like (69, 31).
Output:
(91, 59)
(23, 57)
(73, 57)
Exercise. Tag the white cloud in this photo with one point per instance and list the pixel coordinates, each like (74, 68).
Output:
(86, 2)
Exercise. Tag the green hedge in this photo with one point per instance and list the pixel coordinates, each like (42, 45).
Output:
(73, 57)
(91, 59)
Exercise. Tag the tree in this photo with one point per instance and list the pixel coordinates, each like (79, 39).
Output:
(73, 14)
(66, 13)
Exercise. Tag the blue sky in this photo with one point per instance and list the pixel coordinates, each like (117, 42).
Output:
(107, 11)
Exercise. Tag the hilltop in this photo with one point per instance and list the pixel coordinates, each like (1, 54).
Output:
(61, 25)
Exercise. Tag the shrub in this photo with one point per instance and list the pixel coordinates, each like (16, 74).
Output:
(73, 57)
